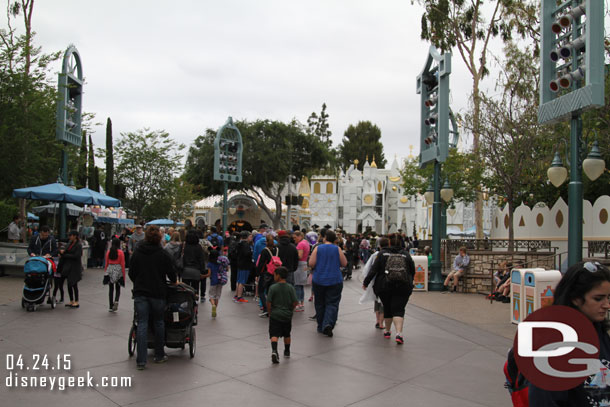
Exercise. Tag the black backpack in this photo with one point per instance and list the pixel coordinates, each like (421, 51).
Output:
(214, 241)
(396, 268)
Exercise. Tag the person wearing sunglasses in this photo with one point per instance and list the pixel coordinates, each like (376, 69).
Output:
(586, 288)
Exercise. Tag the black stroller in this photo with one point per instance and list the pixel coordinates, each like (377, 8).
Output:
(38, 281)
(180, 320)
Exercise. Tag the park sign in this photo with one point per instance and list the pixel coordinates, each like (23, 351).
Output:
(69, 103)
(572, 58)
(433, 88)
(227, 153)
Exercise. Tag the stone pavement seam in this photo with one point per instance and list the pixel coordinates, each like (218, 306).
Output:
(272, 392)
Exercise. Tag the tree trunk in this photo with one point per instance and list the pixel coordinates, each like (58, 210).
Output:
(476, 101)
(511, 226)
(109, 160)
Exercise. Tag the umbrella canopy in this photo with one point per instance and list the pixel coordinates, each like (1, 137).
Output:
(52, 209)
(54, 192)
(165, 222)
(31, 216)
(101, 198)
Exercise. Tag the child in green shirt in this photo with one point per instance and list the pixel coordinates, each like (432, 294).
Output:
(281, 301)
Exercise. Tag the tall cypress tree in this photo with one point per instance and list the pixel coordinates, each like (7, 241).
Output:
(81, 171)
(91, 175)
(96, 179)
(109, 160)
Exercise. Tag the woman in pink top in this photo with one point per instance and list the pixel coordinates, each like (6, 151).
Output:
(300, 275)
(115, 273)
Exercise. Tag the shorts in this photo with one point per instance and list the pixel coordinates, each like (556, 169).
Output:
(278, 329)
(215, 291)
(242, 276)
(458, 273)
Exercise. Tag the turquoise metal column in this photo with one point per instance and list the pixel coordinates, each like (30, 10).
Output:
(62, 206)
(436, 281)
(224, 207)
(575, 194)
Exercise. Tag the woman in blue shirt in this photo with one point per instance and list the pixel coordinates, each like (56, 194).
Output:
(327, 259)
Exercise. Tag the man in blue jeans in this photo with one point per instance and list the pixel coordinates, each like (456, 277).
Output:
(149, 269)
(327, 258)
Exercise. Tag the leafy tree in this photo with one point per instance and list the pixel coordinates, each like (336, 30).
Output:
(508, 130)
(462, 24)
(361, 141)
(318, 126)
(91, 165)
(27, 106)
(109, 159)
(147, 163)
(272, 151)
(183, 200)
(81, 168)
(461, 170)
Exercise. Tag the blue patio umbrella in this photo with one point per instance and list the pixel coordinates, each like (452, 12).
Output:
(56, 193)
(31, 216)
(165, 222)
(101, 198)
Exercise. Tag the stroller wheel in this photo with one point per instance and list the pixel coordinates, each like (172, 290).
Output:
(192, 342)
(131, 343)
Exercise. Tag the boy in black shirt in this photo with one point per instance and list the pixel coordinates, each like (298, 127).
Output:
(281, 301)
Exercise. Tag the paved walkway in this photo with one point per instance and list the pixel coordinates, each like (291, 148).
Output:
(455, 346)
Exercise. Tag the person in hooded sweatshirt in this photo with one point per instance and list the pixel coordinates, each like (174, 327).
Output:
(149, 269)
(288, 254)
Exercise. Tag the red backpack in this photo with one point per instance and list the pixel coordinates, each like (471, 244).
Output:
(275, 261)
(516, 383)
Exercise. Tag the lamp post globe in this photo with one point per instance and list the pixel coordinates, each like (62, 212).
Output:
(447, 192)
(557, 173)
(594, 165)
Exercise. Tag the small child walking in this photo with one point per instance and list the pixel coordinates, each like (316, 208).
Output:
(217, 271)
(114, 274)
(281, 301)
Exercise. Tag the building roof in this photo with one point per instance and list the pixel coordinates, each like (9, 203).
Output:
(216, 200)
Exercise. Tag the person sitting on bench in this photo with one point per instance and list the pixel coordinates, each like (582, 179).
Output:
(460, 265)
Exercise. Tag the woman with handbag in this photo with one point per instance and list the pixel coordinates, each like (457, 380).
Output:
(71, 266)
(115, 274)
(265, 278)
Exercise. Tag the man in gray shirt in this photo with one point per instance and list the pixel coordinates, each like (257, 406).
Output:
(135, 238)
(14, 230)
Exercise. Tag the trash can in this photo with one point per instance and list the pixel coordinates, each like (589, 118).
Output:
(539, 289)
(420, 281)
(517, 294)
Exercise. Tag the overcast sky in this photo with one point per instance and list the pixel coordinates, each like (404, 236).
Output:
(186, 66)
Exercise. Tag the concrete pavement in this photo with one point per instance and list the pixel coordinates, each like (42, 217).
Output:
(446, 359)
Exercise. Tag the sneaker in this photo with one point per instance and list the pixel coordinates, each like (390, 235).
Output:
(299, 309)
(162, 359)
(286, 353)
(387, 335)
(310, 299)
(313, 318)
(202, 300)
(445, 289)
(140, 367)
(110, 309)
(506, 300)
(213, 311)
(264, 314)
(399, 340)
(275, 358)
(242, 299)
(115, 306)
(328, 331)
(236, 299)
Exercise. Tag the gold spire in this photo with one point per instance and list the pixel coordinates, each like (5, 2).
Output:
(374, 164)
(356, 162)
(367, 158)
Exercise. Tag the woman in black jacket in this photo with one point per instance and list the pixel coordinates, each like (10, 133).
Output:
(393, 295)
(71, 266)
(265, 279)
(194, 263)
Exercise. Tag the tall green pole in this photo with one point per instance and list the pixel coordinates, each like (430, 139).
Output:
(436, 281)
(224, 207)
(575, 194)
(62, 206)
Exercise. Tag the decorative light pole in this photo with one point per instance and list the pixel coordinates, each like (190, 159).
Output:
(68, 115)
(572, 80)
(228, 149)
(433, 86)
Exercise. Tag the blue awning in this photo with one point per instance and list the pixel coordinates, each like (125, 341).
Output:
(101, 198)
(55, 192)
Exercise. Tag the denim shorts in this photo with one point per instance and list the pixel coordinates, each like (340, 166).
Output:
(242, 276)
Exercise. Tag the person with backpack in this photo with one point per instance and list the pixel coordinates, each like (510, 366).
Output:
(232, 254)
(217, 271)
(394, 271)
(174, 248)
(326, 261)
(194, 263)
(244, 265)
(215, 239)
(267, 262)
(288, 254)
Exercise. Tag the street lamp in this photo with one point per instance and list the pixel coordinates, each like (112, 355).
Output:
(447, 191)
(429, 194)
(594, 165)
(557, 173)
